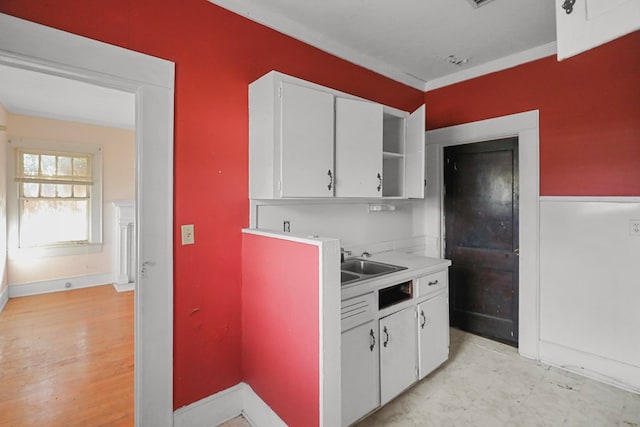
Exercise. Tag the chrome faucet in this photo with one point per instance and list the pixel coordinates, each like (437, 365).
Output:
(343, 251)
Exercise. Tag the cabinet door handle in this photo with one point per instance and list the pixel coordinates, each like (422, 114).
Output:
(386, 339)
(373, 340)
(568, 6)
(330, 186)
(435, 282)
(379, 182)
(424, 319)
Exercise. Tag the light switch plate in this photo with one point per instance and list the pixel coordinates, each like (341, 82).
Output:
(188, 237)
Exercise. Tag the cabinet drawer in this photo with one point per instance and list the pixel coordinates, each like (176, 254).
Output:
(357, 310)
(432, 283)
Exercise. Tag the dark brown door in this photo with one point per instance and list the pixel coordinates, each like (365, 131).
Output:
(481, 229)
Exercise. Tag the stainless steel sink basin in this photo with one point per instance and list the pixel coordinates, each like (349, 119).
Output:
(348, 277)
(363, 266)
(356, 269)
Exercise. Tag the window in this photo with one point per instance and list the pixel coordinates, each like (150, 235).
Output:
(58, 196)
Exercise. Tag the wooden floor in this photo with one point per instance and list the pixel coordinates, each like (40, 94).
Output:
(66, 359)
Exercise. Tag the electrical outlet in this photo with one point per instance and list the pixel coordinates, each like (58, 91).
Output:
(634, 227)
(286, 226)
(188, 237)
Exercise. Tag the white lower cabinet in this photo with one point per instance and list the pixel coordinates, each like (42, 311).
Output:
(433, 333)
(385, 351)
(398, 349)
(360, 367)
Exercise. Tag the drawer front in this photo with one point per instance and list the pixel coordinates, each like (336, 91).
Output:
(432, 283)
(356, 311)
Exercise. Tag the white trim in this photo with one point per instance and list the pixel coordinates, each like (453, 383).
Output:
(24, 44)
(4, 298)
(491, 67)
(257, 412)
(282, 24)
(291, 237)
(225, 405)
(591, 199)
(525, 126)
(124, 287)
(212, 410)
(330, 361)
(57, 285)
(598, 368)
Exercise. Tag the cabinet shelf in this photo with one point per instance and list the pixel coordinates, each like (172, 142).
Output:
(390, 155)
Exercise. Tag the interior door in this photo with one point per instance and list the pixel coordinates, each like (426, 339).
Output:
(585, 24)
(481, 237)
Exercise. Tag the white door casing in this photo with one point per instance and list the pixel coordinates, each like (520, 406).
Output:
(525, 127)
(27, 45)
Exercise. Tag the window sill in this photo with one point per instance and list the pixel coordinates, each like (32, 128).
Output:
(54, 251)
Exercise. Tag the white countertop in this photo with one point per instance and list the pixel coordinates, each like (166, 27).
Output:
(416, 266)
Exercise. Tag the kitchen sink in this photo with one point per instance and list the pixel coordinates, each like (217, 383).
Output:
(356, 269)
(348, 277)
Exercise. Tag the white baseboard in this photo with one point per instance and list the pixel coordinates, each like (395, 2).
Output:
(225, 405)
(612, 372)
(257, 412)
(47, 286)
(124, 287)
(4, 298)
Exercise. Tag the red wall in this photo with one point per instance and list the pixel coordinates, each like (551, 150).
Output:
(280, 328)
(589, 115)
(217, 54)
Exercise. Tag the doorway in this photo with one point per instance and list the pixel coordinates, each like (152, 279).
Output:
(525, 127)
(481, 237)
(84, 334)
(31, 46)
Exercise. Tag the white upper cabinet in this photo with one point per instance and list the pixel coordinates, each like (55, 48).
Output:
(307, 142)
(295, 125)
(358, 148)
(585, 24)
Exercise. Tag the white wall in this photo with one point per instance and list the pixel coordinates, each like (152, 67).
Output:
(3, 205)
(351, 222)
(118, 184)
(590, 287)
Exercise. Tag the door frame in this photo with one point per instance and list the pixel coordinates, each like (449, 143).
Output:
(35, 47)
(526, 127)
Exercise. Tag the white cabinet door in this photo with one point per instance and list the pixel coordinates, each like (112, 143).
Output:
(593, 22)
(398, 349)
(358, 148)
(307, 126)
(414, 154)
(433, 333)
(360, 367)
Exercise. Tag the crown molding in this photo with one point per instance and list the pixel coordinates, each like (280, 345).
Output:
(262, 15)
(491, 67)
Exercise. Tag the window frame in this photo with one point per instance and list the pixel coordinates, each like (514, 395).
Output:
(95, 223)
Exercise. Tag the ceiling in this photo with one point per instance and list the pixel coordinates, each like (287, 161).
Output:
(422, 43)
(411, 40)
(43, 95)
